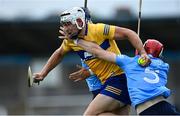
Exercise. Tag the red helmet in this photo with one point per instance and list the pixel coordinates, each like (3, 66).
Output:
(153, 47)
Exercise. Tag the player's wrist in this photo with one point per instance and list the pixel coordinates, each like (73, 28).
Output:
(43, 74)
(142, 52)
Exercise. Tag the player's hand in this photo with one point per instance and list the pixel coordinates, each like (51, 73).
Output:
(79, 75)
(145, 60)
(63, 34)
(37, 77)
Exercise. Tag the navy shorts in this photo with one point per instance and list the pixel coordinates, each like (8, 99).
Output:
(161, 108)
(116, 87)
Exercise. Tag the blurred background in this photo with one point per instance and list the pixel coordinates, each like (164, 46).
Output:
(29, 35)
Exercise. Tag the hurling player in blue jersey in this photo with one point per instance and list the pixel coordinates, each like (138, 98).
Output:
(93, 82)
(146, 84)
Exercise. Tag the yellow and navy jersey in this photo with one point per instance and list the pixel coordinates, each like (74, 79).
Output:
(103, 35)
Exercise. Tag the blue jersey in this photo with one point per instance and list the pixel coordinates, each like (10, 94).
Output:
(144, 83)
(93, 81)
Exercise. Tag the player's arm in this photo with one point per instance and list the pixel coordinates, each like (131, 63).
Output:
(55, 58)
(120, 33)
(124, 33)
(96, 50)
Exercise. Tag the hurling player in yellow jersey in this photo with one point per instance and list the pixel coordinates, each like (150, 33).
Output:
(114, 93)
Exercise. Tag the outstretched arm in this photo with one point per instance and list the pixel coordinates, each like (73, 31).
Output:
(96, 50)
(55, 58)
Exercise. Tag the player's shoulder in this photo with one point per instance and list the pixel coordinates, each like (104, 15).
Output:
(96, 28)
(157, 62)
(102, 25)
(96, 25)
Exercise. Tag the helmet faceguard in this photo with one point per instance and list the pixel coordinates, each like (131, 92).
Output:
(72, 15)
(153, 47)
